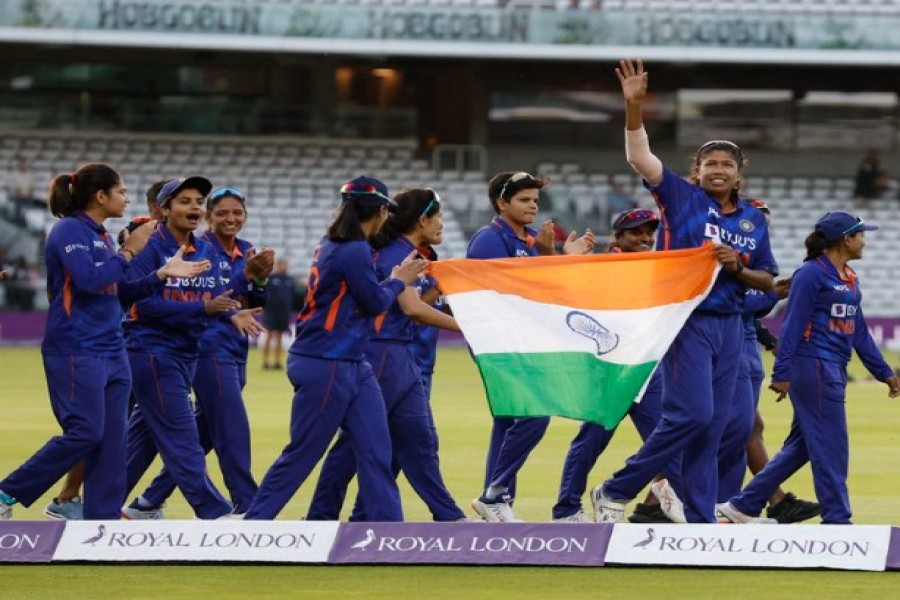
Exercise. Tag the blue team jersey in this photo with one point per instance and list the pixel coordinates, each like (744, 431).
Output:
(757, 304)
(342, 299)
(424, 344)
(393, 324)
(173, 319)
(84, 279)
(689, 217)
(824, 319)
(222, 339)
(498, 240)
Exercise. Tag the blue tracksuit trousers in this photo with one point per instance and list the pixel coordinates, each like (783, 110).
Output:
(699, 377)
(413, 438)
(89, 397)
(818, 435)
(223, 426)
(589, 444)
(733, 449)
(332, 394)
(162, 386)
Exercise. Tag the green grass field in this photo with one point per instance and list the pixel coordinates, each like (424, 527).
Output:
(464, 423)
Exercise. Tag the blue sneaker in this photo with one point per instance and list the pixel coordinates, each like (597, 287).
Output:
(69, 510)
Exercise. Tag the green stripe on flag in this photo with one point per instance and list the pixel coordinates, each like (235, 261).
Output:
(565, 384)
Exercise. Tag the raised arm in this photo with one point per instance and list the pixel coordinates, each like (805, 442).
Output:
(633, 79)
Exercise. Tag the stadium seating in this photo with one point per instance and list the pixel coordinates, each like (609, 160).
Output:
(292, 186)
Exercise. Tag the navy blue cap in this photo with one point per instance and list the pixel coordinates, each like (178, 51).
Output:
(835, 225)
(195, 182)
(367, 191)
(635, 217)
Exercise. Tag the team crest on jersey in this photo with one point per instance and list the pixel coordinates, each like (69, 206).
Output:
(747, 226)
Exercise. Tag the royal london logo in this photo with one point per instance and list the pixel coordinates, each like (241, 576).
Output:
(700, 544)
(468, 544)
(101, 533)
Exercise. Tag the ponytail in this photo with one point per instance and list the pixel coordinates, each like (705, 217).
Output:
(816, 245)
(347, 224)
(70, 192)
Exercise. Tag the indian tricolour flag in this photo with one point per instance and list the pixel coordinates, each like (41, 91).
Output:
(573, 336)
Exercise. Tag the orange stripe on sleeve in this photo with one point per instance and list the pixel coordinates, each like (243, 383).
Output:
(67, 293)
(335, 307)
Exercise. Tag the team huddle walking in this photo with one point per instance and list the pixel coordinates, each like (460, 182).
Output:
(133, 332)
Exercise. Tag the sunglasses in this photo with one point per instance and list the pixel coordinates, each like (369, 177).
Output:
(515, 178)
(722, 145)
(219, 193)
(435, 199)
(858, 225)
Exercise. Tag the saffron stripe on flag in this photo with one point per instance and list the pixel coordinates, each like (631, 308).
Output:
(625, 281)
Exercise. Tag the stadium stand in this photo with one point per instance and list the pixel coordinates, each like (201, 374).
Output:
(293, 182)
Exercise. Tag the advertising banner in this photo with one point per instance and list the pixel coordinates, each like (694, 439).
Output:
(201, 541)
(29, 541)
(471, 544)
(850, 547)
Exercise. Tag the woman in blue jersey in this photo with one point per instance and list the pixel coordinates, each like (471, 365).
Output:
(514, 197)
(416, 226)
(633, 231)
(84, 354)
(823, 324)
(163, 347)
(742, 443)
(222, 363)
(334, 385)
(700, 369)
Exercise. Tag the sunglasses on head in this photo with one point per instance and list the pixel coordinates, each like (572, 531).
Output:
(355, 188)
(856, 226)
(435, 199)
(514, 178)
(722, 145)
(633, 216)
(219, 193)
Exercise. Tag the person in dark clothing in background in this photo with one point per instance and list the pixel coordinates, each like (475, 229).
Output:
(277, 313)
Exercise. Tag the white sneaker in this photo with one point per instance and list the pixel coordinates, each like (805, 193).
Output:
(607, 510)
(669, 501)
(495, 512)
(231, 517)
(133, 513)
(578, 517)
(469, 520)
(727, 513)
(5, 511)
